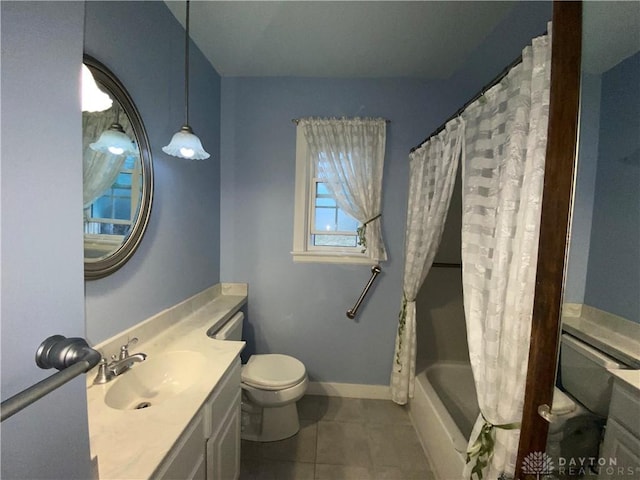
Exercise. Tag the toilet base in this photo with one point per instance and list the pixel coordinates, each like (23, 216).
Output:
(269, 424)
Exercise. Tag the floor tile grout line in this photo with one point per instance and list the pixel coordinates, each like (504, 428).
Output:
(315, 454)
(366, 418)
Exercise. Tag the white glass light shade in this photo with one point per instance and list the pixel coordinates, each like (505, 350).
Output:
(185, 144)
(93, 99)
(114, 141)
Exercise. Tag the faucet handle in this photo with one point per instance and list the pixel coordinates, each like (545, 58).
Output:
(124, 349)
(103, 375)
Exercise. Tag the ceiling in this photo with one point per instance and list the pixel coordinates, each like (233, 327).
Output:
(339, 39)
(613, 34)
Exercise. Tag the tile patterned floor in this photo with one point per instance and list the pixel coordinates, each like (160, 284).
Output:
(341, 439)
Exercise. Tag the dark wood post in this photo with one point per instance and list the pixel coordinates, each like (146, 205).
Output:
(556, 209)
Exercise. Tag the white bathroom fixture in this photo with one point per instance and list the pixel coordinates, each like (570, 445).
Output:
(115, 141)
(185, 143)
(271, 386)
(579, 413)
(93, 99)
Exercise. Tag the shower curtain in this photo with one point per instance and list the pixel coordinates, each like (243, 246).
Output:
(432, 170)
(502, 182)
(501, 139)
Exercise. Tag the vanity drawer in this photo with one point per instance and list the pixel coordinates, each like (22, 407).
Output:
(625, 407)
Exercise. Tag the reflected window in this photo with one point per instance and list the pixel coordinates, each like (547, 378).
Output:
(113, 213)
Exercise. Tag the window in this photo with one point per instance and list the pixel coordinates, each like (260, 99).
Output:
(322, 231)
(331, 227)
(114, 211)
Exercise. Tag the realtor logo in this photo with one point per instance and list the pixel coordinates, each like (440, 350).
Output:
(537, 463)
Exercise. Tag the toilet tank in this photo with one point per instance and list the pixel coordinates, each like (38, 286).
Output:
(584, 374)
(231, 330)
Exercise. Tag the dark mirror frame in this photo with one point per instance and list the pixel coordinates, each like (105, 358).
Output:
(94, 269)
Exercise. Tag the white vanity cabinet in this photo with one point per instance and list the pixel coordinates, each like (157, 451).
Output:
(209, 449)
(186, 460)
(222, 428)
(621, 446)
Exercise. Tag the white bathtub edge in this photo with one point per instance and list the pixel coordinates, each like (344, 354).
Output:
(434, 426)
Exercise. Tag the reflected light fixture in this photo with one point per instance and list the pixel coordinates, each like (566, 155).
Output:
(93, 99)
(184, 143)
(114, 140)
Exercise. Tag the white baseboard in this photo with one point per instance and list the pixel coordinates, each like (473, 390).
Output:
(349, 390)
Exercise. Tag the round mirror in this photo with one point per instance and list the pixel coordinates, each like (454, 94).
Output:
(117, 172)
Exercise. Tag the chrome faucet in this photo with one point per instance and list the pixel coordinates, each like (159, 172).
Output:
(118, 365)
(124, 349)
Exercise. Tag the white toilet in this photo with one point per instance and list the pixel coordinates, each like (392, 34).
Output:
(579, 412)
(271, 386)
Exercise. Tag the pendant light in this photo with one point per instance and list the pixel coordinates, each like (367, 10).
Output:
(93, 99)
(184, 143)
(114, 140)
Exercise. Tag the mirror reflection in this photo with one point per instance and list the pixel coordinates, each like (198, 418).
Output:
(117, 172)
(111, 179)
(600, 343)
(604, 258)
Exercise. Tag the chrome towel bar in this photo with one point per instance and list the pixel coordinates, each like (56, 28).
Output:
(72, 356)
(375, 271)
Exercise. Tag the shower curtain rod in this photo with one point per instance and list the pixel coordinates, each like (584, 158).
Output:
(482, 91)
(446, 265)
(297, 120)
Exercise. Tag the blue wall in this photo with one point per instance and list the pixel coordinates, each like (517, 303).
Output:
(143, 44)
(299, 309)
(42, 266)
(294, 308)
(578, 260)
(613, 279)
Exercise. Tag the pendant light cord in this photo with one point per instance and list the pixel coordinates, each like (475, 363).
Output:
(186, 68)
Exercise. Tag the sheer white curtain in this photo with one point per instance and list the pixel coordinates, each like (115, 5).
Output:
(350, 160)
(502, 181)
(432, 173)
(100, 170)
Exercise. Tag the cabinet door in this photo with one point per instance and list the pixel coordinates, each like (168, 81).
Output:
(186, 460)
(222, 398)
(223, 448)
(620, 452)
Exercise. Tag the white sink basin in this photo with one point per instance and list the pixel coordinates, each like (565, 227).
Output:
(155, 380)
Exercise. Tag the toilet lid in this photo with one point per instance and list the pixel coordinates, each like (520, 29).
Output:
(273, 371)
(562, 404)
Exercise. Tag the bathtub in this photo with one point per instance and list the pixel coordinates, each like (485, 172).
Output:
(443, 410)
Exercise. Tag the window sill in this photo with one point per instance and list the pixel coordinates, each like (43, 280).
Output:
(331, 257)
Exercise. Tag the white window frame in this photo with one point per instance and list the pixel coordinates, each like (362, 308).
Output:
(303, 251)
(134, 201)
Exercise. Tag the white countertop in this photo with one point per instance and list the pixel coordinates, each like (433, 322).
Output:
(130, 444)
(615, 336)
(630, 377)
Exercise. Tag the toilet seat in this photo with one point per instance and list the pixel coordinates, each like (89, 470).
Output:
(562, 404)
(273, 371)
